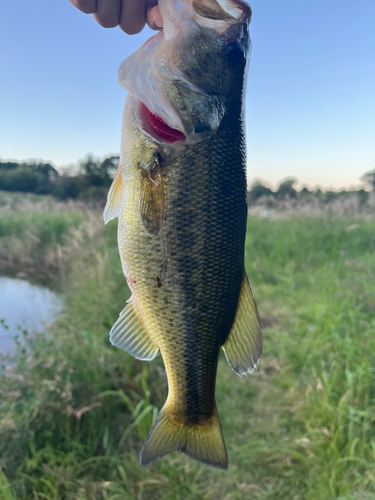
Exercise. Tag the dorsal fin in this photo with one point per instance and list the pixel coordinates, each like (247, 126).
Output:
(243, 347)
(113, 205)
(129, 334)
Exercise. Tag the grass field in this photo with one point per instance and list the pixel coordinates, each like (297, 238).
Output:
(75, 410)
(34, 229)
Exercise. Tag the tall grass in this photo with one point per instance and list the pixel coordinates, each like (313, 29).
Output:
(352, 205)
(36, 233)
(75, 410)
(324, 332)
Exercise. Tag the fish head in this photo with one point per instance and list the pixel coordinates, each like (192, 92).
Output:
(191, 74)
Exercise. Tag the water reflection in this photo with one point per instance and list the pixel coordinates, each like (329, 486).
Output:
(24, 306)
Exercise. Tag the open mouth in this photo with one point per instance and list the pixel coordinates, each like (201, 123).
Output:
(160, 129)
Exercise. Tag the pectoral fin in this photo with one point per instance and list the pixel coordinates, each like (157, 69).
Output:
(129, 334)
(113, 205)
(243, 347)
(152, 198)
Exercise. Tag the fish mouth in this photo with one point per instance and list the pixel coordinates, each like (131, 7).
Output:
(176, 99)
(155, 126)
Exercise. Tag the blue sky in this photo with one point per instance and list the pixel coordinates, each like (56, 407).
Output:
(310, 90)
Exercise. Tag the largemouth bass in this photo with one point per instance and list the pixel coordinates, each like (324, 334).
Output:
(180, 197)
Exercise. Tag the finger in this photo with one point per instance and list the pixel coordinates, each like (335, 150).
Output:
(133, 16)
(86, 6)
(153, 18)
(108, 13)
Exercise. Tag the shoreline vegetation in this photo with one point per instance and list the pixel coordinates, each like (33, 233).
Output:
(76, 410)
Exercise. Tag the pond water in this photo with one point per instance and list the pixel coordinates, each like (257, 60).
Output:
(24, 306)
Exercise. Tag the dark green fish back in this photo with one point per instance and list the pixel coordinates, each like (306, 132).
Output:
(205, 235)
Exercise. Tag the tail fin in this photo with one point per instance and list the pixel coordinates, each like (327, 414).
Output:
(202, 442)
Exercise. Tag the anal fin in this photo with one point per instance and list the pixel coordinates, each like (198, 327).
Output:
(129, 334)
(243, 347)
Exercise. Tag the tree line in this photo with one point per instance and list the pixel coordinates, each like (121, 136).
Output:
(286, 191)
(90, 180)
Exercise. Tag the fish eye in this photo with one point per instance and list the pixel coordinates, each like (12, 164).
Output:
(235, 53)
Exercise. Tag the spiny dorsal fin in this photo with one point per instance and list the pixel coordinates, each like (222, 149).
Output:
(113, 205)
(129, 334)
(243, 347)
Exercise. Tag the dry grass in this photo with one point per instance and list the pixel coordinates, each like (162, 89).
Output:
(312, 206)
(40, 236)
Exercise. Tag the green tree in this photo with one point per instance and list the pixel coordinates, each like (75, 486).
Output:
(363, 196)
(27, 177)
(96, 177)
(92, 181)
(99, 173)
(304, 191)
(69, 186)
(369, 179)
(257, 190)
(286, 189)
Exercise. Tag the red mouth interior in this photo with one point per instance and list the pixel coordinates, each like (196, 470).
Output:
(162, 130)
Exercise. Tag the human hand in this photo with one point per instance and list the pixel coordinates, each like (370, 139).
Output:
(130, 15)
